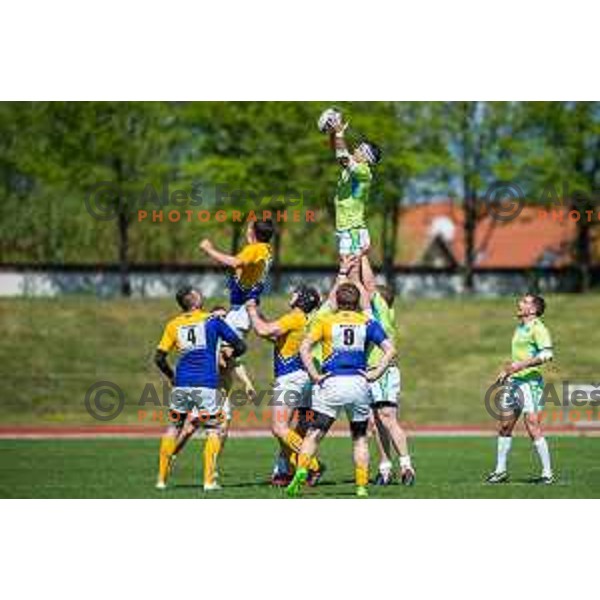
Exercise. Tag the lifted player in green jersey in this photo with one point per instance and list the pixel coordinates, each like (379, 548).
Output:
(352, 192)
(531, 348)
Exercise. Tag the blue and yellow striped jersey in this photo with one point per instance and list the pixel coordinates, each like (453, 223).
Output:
(195, 336)
(345, 337)
(286, 355)
(248, 280)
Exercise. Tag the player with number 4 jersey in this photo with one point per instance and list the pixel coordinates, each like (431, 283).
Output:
(195, 335)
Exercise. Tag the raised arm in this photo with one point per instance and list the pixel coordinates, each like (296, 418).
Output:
(347, 269)
(222, 258)
(353, 267)
(338, 142)
(365, 297)
(367, 275)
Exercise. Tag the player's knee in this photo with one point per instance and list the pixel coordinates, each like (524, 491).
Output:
(533, 426)
(387, 416)
(177, 420)
(505, 426)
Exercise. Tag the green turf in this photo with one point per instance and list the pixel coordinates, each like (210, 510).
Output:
(53, 350)
(446, 468)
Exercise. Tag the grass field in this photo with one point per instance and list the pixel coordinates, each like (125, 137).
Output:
(446, 468)
(53, 350)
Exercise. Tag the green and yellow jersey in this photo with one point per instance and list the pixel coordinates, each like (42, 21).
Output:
(386, 317)
(317, 349)
(528, 341)
(351, 196)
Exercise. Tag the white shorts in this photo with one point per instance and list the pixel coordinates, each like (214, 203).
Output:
(525, 396)
(353, 241)
(237, 318)
(387, 387)
(348, 392)
(200, 401)
(290, 392)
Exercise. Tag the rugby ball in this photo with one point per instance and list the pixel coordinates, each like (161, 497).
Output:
(329, 119)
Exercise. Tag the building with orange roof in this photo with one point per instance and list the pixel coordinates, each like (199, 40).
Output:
(432, 235)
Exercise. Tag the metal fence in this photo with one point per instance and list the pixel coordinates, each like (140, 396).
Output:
(159, 280)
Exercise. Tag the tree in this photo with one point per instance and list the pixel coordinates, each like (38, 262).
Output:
(411, 137)
(483, 139)
(260, 155)
(78, 145)
(567, 161)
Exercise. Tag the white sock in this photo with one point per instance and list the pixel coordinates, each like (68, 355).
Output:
(504, 445)
(405, 462)
(542, 449)
(385, 467)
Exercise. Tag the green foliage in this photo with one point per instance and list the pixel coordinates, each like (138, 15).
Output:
(271, 154)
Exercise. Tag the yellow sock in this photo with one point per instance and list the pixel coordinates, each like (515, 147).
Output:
(293, 458)
(361, 475)
(294, 442)
(304, 461)
(211, 452)
(167, 445)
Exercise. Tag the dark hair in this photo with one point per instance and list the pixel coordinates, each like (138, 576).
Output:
(539, 303)
(308, 298)
(347, 297)
(218, 308)
(264, 230)
(375, 150)
(388, 293)
(183, 297)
